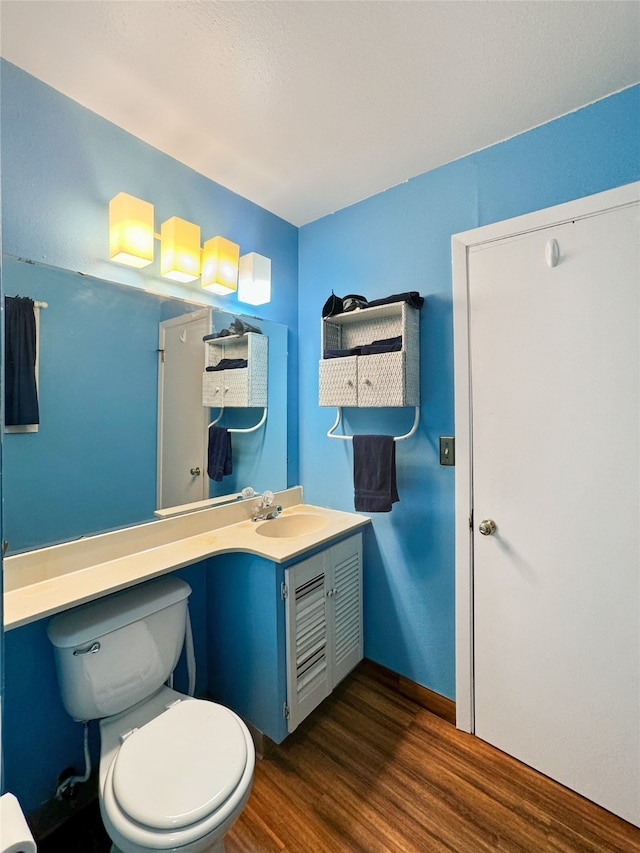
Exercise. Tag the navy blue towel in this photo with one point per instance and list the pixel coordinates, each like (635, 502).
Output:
(374, 348)
(219, 462)
(341, 353)
(374, 473)
(228, 364)
(383, 345)
(412, 297)
(21, 395)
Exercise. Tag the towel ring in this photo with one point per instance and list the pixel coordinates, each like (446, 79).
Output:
(237, 429)
(416, 421)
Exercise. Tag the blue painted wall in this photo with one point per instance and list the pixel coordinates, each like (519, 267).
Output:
(401, 240)
(61, 163)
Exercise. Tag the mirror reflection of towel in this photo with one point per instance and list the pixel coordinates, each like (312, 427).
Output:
(219, 462)
(374, 473)
(228, 364)
(21, 395)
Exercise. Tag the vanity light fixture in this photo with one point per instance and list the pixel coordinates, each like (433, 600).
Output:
(220, 265)
(130, 230)
(254, 279)
(179, 250)
(131, 237)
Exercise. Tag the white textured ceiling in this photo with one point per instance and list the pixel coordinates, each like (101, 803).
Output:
(307, 107)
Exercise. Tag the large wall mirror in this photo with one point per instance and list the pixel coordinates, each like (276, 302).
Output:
(92, 464)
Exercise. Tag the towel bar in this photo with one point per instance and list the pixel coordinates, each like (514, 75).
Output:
(247, 429)
(416, 421)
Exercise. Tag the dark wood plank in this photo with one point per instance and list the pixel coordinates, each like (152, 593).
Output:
(372, 771)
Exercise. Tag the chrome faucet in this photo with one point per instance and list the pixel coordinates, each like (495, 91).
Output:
(265, 510)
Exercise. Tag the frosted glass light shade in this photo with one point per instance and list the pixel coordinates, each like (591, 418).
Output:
(220, 265)
(130, 230)
(254, 279)
(179, 250)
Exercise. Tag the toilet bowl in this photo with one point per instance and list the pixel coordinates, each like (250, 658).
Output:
(175, 771)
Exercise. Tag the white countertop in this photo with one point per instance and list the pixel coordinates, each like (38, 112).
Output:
(48, 580)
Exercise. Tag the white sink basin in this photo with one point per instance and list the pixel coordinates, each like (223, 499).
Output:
(286, 526)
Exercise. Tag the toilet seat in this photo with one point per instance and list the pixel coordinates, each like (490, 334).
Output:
(181, 766)
(190, 725)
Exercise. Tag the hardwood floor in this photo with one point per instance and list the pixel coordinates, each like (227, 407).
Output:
(372, 771)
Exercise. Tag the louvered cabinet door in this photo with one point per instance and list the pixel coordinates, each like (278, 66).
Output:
(307, 641)
(323, 617)
(345, 607)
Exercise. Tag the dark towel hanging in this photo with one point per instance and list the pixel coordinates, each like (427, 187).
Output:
(219, 462)
(374, 473)
(21, 395)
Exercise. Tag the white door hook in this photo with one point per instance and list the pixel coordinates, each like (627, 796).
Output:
(552, 253)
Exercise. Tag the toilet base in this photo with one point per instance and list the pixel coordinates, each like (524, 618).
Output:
(216, 847)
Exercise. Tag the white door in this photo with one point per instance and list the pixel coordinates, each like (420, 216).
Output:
(182, 419)
(555, 411)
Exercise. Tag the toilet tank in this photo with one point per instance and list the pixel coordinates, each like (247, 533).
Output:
(115, 652)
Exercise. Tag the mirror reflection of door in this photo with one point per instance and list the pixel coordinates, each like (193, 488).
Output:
(182, 419)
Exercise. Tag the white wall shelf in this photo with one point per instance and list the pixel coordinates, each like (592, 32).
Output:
(377, 380)
(241, 387)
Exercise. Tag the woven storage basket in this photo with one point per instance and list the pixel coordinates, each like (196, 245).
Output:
(243, 386)
(383, 379)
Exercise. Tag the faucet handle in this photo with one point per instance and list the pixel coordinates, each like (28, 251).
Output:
(267, 498)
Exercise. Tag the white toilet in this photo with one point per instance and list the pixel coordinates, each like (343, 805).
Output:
(175, 772)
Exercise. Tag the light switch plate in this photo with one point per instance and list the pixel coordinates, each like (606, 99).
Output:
(447, 450)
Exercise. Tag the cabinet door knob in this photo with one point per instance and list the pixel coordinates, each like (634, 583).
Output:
(368, 382)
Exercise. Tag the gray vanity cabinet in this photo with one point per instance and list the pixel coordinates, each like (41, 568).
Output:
(281, 636)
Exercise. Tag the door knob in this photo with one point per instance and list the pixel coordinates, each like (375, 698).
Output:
(195, 472)
(487, 527)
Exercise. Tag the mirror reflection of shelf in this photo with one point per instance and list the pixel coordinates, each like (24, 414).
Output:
(240, 387)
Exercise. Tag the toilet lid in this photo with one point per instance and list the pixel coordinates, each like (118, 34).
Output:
(181, 766)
